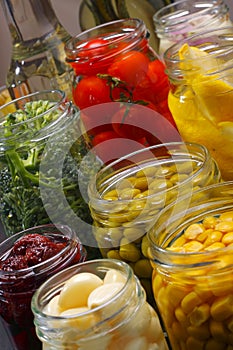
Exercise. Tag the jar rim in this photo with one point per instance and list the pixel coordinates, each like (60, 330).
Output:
(123, 28)
(207, 41)
(92, 187)
(181, 12)
(23, 129)
(41, 229)
(53, 286)
(160, 235)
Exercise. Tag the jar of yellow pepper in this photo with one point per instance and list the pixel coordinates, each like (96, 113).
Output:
(191, 250)
(200, 70)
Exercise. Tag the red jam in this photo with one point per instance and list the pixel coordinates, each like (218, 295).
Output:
(31, 250)
(26, 261)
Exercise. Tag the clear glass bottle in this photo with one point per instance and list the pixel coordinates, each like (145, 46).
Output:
(126, 321)
(201, 92)
(37, 56)
(184, 18)
(191, 255)
(127, 195)
(17, 285)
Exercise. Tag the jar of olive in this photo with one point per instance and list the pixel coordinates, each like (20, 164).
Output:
(126, 196)
(191, 250)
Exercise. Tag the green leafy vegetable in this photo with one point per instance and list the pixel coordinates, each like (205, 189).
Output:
(21, 205)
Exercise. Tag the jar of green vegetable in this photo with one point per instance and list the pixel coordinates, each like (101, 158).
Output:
(41, 151)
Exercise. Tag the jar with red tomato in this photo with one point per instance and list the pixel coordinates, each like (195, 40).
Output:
(114, 65)
(27, 259)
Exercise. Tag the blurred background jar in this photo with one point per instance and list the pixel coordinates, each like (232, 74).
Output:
(113, 62)
(200, 99)
(127, 195)
(41, 180)
(120, 318)
(191, 254)
(37, 56)
(184, 18)
(27, 259)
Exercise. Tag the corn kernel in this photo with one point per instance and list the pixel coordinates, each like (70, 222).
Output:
(141, 183)
(194, 343)
(215, 246)
(213, 236)
(222, 308)
(190, 301)
(202, 332)
(212, 344)
(218, 331)
(228, 238)
(221, 285)
(193, 246)
(157, 282)
(175, 294)
(200, 315)
(209, 222)
(202, 236)
(227, 216)
(193, 231)
(180, 315)
(224, 226)
(179, 331)
(179, 242)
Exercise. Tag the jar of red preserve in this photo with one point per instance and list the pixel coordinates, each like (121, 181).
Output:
(115, 73)
(27, 259)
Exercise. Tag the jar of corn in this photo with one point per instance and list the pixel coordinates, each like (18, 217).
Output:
(191, 251)
(126, 196)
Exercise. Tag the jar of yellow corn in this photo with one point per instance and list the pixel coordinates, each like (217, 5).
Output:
(200, 70)
(126, 196)
(191, 250)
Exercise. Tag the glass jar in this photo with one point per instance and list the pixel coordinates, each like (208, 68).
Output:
(25, 267)
(41, 177)
(127, 195)
(183, 18)
(37, 59)
(125, 321)
(201, 94)
(113, 62)
(191, 254)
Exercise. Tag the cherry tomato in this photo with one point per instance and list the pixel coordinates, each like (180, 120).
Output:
(130, 67)
(127, 122)
(98, 118)
(155, 86)
(109, 146)
(135, 121)
(91, 91)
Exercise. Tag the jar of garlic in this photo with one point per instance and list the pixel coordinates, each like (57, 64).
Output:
(99, 305)
(191, 253)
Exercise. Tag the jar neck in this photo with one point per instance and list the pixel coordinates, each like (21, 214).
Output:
(115, 38)
(30, 278)
(32, 24)
(30, 126)
(184, 18)
(211, 57)
(111, 315)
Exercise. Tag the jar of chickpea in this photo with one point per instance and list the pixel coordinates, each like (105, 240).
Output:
(97, 305)
(127, 195)
(191, 251)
